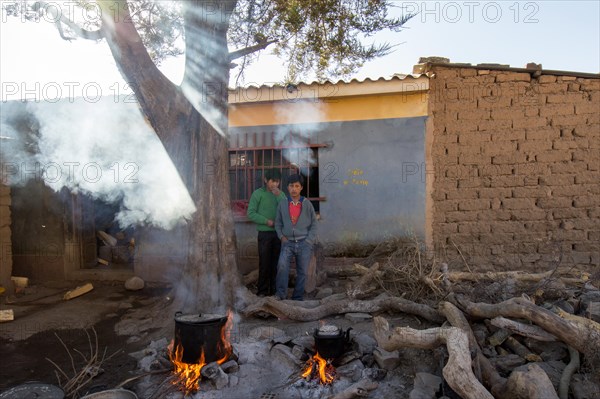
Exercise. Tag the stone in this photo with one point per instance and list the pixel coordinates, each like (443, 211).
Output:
(306, 341)
(298, 351)
(365, 342)
(283, 353)
(425, 386)
(348, 357)
(230, 366)
(583, 387)
(386, 360)
(368, 360)
(358, 317)
(159, 344)
(334, 297)
(233, 380)
(134, 284)
(352, 370)
(553, 369)
(374, 374)
(593, 311)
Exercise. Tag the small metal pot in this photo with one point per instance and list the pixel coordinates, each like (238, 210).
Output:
(331, 341)
(195, 332)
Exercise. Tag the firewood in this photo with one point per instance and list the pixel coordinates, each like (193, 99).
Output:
(20, 282)
(250, 278)
(7, 315)
(517, 276)
(383, 302)
(578, 332)
(363, 286)
(499, 337)
(346, 270)
(521, 350)
(457, 371)
(526, 330)
(565, 378)
(84, 289)
(106, 238)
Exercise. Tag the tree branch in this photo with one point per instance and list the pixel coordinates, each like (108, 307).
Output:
(79, 31)
(250, 49)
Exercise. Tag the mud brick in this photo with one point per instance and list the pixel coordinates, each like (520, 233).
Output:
(587, 177)
(503, 135)
(567, 98)
(473, 205)
(508, 227)
(550, 203)
(535, 145)
(486, 125)
(532, 111)
(546, 133)
(494, 101)
(463, 194)
(507, 181)
(553, 156)
(569, 213)
(446, 228)
(474, 137)
(474, 114)
(553, 88)
(461, 216)
(547, 79)
(566, 144)
(445, 206)
(497, 214)
(529, 214)
(514, 77)
(557, 109)
(531, 192)
(508, 113)
(566, 120)
(529, 123)
(495, 192)
(518, 203)
(496, 238)
(587, 108)
(590, 85)
(477, 227)
(584, 201)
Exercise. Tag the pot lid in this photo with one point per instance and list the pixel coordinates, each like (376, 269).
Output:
(202, 318)
(328, 330)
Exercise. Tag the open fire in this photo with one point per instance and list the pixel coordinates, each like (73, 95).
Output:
(186, 375)
(317, 367)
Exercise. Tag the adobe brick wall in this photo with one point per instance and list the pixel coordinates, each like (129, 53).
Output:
(516, 160)
(5, 236)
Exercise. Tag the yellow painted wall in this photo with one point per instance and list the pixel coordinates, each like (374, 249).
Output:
(382, 106)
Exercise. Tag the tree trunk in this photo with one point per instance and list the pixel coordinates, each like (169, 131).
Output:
(191, 122)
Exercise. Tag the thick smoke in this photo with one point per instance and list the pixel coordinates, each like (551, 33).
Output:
(102, 149)
(299, 133)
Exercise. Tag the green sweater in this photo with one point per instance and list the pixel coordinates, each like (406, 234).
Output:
(262, 207)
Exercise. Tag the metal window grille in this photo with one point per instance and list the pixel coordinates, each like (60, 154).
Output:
(254, 153)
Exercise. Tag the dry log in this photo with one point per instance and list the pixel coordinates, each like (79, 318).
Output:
(250, 278)
(311, 275)
(20, 282)
(7, 315)
(521, 350)
(346, 270)
(580, 333)
(565, 378)
(526, 330)
(499, 337)
(517, 276)
(360, 389)
(84, 289)
(362, 286)
(284, 310)
(457, 372)
(489, 374)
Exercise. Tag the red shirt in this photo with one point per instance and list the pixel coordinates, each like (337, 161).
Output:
(294, 209)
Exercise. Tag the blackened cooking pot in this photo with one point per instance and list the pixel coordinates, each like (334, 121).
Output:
(197, 332)
(331, 342)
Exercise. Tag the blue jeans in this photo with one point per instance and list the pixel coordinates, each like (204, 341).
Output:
(302, 252)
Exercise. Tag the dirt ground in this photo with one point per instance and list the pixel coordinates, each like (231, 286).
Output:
(124, 323)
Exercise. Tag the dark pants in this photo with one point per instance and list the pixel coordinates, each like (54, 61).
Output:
(269, 247)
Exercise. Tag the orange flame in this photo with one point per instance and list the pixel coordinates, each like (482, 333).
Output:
(187, 376)
(316, 366)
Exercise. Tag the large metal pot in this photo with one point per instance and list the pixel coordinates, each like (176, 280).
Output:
(195, 332)
(331, 341)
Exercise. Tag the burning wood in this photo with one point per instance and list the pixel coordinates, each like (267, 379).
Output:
(317, 367)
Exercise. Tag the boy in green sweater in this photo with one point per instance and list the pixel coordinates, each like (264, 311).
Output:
(261, 210)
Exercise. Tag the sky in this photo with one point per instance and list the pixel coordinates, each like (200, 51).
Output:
(36, 63)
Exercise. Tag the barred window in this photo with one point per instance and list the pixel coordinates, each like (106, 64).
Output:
(247, 166)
